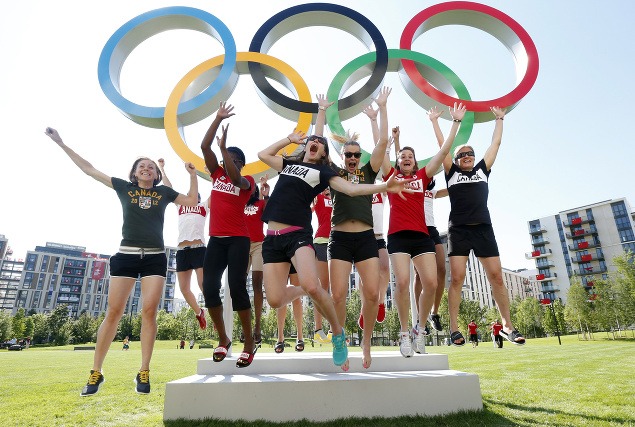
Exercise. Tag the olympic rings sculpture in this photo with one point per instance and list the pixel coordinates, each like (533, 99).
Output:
(426, 80)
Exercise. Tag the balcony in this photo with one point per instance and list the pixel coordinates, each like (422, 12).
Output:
(587, 258)
(545, 277)
(578, 221)
(583, 245)
(543, 240)
(537, 254)
(537, 230)
(545, 289)
(589, 270)
(544, 263)
(581, 233)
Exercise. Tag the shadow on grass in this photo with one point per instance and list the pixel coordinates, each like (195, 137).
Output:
(574, 418)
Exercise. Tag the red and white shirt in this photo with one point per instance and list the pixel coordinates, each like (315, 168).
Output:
(253, 219)
(192, 222)
(227, 205)
(323, 210)
(408, 214)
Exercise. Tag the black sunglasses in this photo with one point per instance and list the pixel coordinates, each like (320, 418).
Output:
(348, 155)
(317, 138)
(464, 154)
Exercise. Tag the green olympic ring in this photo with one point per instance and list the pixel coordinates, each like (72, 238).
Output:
(434, 71)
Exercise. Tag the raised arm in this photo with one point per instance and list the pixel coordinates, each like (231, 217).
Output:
(83, 164)
(165, 179)
(457, 113)
(229, 162)
(492, 151)
(191, 199)
(264, 188)
(323, 104)
(211, 162)
(379, 152)
(433, 115)
(270, 154)
(393, 185)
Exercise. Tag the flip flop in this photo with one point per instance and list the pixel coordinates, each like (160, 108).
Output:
(246, 358)
(220, 352)
(279, 348)
(513, 336)
(299, 346)
(457, 335)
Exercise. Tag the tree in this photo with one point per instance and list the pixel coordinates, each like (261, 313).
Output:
(624, 288)
(5, 326)
(470, 310)
(353, 309)
(391, 324)
(40, 328)
(84, 329)
(17, 324)
(59, 325)
(528, 317)
(577, 313)
(28, 327)
(167, 326)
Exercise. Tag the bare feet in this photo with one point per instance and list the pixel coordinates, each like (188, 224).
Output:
(366, 358)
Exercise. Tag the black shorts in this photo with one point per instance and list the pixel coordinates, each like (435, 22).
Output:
(282, 247)
(473, 337)
(321, 251)
(434, 235)
(479, 238)
(190, 258)
(381, 244)
(353, 247)
(135, 266)
(413, 243)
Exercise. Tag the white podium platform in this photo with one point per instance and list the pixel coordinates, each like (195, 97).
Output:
(292, 386)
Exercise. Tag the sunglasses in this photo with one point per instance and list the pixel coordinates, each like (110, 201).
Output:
(317, 138)
(464, 154)
(348, 155)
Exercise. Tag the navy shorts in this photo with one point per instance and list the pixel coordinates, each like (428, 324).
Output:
(282, 247)
(353, 247)
(479, 238)
(413, 243)
(135, 266)
(190, 259)
(434, 235)
(320, 251)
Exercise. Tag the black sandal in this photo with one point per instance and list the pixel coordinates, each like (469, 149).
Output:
(299, 346)
(279, 348)
(457, 335)
(513, 336)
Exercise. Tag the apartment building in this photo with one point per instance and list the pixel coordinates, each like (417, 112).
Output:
(579, 244)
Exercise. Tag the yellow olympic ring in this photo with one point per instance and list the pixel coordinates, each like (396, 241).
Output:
(285, 75)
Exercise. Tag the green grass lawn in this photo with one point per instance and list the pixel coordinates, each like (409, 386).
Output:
(577, 384)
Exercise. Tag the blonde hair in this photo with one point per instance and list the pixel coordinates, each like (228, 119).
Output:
(459, 148)
(347, 139)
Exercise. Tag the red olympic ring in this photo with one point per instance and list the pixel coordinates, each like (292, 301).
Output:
(507, 31)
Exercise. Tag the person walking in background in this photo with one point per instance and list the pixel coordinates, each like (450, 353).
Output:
(228, 246)
(470, 229)
(190, 254)
(126, 343)
(496, 329)
(253, 218)
(141, 255)
(473, 331)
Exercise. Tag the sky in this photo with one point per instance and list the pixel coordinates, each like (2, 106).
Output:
(568, 143)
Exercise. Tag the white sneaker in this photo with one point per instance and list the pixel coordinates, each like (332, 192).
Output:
(405, 345)
(320, 336)
(420, 339)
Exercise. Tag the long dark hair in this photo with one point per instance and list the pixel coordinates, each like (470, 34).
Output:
(300, 156)
(133, 178)
(255, 196)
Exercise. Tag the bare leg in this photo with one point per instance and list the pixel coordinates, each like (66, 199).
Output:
(339, 272)
(458, 265)
(401, 269)
(118, 292)
(369, 272)
(323, 274)
(216, 313)
(440, 259)
(151, 290)
(184, 278)
(494, 272)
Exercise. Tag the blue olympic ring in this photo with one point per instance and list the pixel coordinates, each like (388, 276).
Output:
(148, 24)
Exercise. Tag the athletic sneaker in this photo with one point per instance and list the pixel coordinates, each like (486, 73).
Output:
(405, 345)
(95, 380)
(340, 351)
(420, 339)
(143, 382)
(381, 313)
(360, 321)
(202, 322)
(320, 336)
(435, 321)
